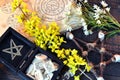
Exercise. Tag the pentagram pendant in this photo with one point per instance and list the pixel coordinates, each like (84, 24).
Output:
(14, 49)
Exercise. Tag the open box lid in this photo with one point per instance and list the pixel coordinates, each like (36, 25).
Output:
(14, 48)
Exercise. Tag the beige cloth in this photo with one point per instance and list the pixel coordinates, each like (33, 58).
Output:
(5, 17)
(6, 14)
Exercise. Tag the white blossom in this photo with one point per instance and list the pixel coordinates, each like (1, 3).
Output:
(79, 4)
(98, 22)
(104, 4)
(100, 11)
(85, 1)
(90, 32)
(96, 16)
(97, 9)
(84, 24)
(104, 12)
(69, 28)
(78, 11)
(86, 32)
(85, 27)
(74, 21)
(82, 20)
(95, 6)
(107, 9)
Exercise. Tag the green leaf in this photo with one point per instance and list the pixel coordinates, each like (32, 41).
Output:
(112, 33)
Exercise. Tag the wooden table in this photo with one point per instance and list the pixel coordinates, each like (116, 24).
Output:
(6, 74)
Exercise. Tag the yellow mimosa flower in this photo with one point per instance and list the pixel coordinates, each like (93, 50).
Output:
(76, 77)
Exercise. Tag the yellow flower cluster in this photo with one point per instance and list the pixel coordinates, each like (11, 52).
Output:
(48, 37)
(17, 3)
(72, 59)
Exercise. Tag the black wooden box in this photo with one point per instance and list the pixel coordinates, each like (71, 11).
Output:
(17, 53)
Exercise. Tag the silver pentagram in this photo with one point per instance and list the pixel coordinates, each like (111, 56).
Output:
(13, 47)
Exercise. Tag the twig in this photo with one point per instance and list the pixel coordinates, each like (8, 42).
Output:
(77, 44)
(23, 12)
(84, 74)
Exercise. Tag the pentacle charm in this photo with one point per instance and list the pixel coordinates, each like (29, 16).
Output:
(13, 47)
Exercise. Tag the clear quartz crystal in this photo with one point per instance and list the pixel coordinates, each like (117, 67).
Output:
(49, 68)
(38, 75)
(41, 68)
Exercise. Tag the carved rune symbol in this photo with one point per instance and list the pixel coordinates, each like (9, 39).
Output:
(14, 50)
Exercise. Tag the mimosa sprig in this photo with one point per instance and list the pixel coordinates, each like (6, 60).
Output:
(48, 37)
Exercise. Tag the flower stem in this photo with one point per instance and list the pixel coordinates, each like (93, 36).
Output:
(114, 20)
(23, 12)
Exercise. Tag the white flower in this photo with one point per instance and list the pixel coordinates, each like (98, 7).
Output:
(74, 21)
(96, 16)
(104, 4)
(98, 22)
(86, 32)
(98, 10)
(90, 32)
(79, 4)
(69, 28)
(104, 12)
(95, 6)
(68, 6)
(84, 24)
(78, 10)
(67, 13)
(82, 20)
(85, 1)
(85, 27)
(107, 9)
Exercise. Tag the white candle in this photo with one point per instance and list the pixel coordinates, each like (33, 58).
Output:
(116, 58)
(100, 78)
(101, 35)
